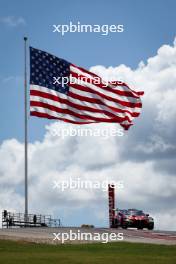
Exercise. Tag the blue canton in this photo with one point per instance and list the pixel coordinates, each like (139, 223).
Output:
(44, 68)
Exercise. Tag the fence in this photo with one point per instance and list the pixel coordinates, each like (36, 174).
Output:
(12, 220)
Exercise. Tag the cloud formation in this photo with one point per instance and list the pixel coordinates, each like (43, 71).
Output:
(144, 158)
(12, 21)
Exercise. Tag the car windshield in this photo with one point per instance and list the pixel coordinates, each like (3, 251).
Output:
(123, 212)
(136, 212)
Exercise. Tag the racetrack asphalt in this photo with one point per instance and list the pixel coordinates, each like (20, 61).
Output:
(45, 235)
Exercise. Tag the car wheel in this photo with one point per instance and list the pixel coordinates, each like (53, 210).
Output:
(150, 227)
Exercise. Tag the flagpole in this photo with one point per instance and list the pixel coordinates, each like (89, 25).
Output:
(25, 129)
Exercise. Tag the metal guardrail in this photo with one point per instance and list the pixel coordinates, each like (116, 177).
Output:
(12, 220)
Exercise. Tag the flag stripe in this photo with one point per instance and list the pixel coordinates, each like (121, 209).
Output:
(121, 85)
(103, 87)
(65, 105)
(62, 110)
(92, 91)
(97, 100)
(45, 113)
(62, 103)
(71, 117)
(80, 104)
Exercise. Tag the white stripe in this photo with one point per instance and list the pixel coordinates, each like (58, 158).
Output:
(104, 101)
(84, 103)
(95, 88)
(66, 106)
(80, 72)
(58, 115)
(126, 122)
(47, 90)
(98, 106)
(118, 87)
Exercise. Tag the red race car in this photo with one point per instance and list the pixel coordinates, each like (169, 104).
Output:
(134, 218)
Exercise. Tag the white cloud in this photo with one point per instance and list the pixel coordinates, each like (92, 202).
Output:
(12, 21)
(144, 158)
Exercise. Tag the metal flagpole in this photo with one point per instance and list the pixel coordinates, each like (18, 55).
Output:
(25, 129)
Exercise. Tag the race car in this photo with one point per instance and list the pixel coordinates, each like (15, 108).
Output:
(134, 218)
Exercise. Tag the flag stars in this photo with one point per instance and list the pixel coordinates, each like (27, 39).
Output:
(44, 67)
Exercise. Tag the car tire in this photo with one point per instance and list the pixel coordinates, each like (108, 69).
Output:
(151, 227)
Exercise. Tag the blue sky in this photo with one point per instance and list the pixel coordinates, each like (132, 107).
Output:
(147, 25)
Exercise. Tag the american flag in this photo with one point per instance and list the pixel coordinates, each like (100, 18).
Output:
(85, 98)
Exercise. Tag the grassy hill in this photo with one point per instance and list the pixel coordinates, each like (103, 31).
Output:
(127, 253)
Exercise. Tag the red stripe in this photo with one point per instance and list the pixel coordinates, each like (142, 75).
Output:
(44, 115)
(87, 89)
(86, 71)
(86, 108)
(116, 83)
(90, 100)
(69, 112)
(105, 86)
(65, 101)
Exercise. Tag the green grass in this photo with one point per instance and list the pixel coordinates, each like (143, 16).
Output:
(121, 252)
